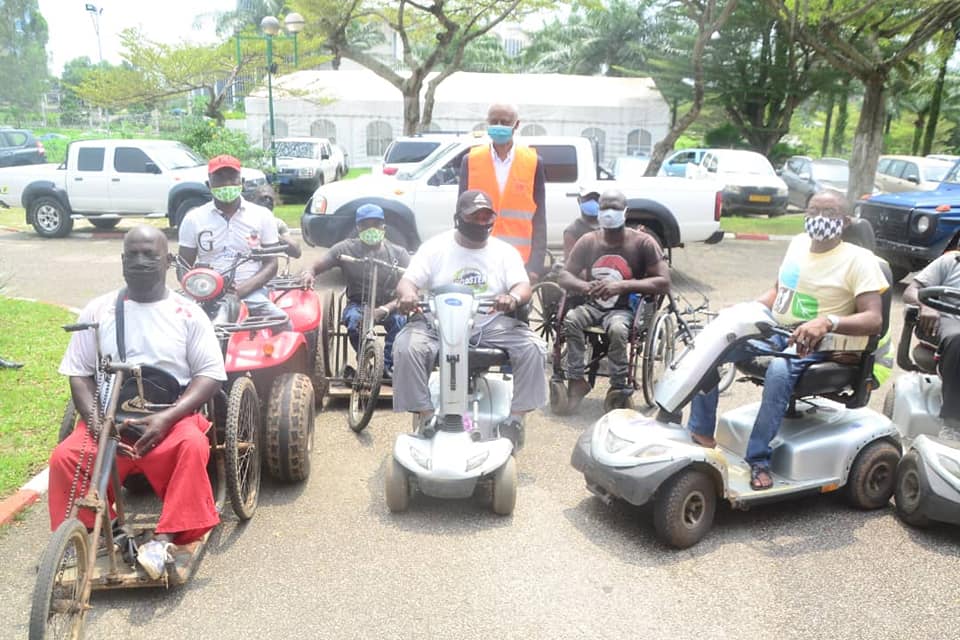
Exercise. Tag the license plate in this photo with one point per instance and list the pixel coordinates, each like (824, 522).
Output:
(756, 198)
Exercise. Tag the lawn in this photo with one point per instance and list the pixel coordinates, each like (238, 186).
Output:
(787, 225)
(32, 398)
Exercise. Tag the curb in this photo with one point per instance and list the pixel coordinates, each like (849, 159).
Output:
(24, 497)
(755, 236)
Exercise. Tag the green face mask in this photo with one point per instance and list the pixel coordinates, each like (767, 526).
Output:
(372, 236)
(226, 194)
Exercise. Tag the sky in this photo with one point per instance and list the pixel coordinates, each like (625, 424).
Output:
(72, 34)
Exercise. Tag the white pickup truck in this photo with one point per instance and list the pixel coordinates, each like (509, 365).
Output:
(420, 203)
(106, 180)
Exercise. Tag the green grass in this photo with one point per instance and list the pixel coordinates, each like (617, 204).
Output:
(32, 398)
(788, 225)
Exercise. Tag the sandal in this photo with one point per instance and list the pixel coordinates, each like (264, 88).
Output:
(760, 477)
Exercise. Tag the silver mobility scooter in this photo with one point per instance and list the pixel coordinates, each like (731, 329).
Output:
(461, 447)
(830, 441)
(928, 477)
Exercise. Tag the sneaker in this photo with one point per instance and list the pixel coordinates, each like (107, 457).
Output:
(154, 556)
(512, 430)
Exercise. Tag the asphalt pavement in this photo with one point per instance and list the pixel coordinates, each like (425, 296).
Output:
(326, 559)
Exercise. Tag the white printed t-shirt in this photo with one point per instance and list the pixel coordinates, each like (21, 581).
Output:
(218, 240)
(173, 334)
(490, 271)
(812, 285)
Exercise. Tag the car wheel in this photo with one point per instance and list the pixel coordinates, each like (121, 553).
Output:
(398, 236)
(105, 224)
(50, 218)
(184, 208)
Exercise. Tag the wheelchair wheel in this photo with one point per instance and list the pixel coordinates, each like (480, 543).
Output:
(242, 448)
(728, 373)
(68, 422)
(658, 353)
(366, 385)
(544, 303)
(59, 605)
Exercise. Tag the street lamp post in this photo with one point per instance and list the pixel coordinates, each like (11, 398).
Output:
(270, 26)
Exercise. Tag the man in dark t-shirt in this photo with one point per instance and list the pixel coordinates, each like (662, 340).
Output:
(617, 262)
(589, 202)
(372, 243)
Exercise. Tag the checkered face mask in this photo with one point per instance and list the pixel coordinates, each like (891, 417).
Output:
(822, 228)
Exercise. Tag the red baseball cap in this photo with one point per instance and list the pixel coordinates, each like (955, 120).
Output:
(223, 162)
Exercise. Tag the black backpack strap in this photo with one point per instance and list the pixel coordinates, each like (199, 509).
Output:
(121, 343)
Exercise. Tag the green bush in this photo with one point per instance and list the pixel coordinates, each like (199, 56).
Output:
(723, 137)
(209, 140)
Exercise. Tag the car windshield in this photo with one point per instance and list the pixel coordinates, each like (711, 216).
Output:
(428, 164)
(936, 173)
(831, 172)
(176, 156)
(296, 149)
(405, 151)
(747, 163)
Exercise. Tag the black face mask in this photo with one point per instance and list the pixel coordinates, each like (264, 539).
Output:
(141, 272)
(471, 230)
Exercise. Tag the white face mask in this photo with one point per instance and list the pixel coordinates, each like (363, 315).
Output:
(612, 218)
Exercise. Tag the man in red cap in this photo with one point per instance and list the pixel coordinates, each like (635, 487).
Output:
(214, 233)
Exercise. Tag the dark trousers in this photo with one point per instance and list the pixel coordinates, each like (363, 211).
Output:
(352, 318)
(950, 367)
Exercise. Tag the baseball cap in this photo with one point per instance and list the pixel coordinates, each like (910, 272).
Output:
(222, 162)
(588, 192)
(367, 211)
(473, 201)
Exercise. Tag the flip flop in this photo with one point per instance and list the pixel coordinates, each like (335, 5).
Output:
(756, 483)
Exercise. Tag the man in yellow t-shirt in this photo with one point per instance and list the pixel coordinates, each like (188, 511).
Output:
(824, 285)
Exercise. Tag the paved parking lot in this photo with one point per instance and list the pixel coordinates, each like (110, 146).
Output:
(327, 560)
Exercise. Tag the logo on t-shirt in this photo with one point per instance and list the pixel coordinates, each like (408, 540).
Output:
(610, 267)
(473, 278)
(790, 301)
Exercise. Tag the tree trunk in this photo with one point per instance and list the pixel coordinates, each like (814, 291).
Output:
(840, 128)
(868, 139)
(918, 131)
(411, 108)
(825, 144)
(935, 103)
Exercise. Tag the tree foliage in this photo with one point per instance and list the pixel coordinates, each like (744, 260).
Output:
(23, 57)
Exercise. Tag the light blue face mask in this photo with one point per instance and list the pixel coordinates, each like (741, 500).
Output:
(612, 218)
(590, 208)
(500, 133)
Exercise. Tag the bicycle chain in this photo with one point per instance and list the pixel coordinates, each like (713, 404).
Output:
(85, 461)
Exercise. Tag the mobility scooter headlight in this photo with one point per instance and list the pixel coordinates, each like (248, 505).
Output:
(652, 451)
(475, 461)
(951, 465)
(420, 458)
(615, 443)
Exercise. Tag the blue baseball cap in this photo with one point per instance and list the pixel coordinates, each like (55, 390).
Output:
(367, 211)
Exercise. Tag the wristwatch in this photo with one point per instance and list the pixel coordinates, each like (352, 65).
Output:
(834, 321)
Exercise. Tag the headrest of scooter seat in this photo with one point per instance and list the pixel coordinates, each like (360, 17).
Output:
(860, 233)
(452, 288)
(487, 358)
(818, 379)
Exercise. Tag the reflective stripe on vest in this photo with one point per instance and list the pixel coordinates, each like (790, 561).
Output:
(883, 360)
(515, 207)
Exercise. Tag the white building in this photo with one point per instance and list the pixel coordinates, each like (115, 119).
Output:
(363, 112)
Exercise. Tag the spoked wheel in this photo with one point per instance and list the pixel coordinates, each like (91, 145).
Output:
(59, 605)
(683, 512)
(909, 491)
(873, 475)
(544, 303)
(68, 422)
(366, 385)
(396, 486)
(242, 448)
(728, 373)
(658, 353)
(322, 366)
(289, 431)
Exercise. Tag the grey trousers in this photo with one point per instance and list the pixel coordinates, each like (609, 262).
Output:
(616, 323)
(415, 352)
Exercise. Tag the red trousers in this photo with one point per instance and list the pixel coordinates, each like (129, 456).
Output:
(176, 469)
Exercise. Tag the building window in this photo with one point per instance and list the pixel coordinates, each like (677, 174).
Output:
(324, 129)
(639, 142)
(533, 130)
(599, 139)
(433, 126)
(379, 136)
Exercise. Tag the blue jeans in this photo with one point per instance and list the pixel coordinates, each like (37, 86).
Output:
(353, 316)
(259, 304)
(781, 378)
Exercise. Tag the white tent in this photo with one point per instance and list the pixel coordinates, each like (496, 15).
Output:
(363, 112)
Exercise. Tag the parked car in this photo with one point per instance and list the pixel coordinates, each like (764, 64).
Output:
(806, 177)
(752, 186)
(629, 167)
(106, 180)
(942, 156)
(406, 152)
(303, 164)
(18, 147)
(910, 173)
(679, 162)
(915, 227)
(418, 203)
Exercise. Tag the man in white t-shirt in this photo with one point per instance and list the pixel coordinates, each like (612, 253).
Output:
(216, 232)
(495, 271)
(162, 329)
(824, 285)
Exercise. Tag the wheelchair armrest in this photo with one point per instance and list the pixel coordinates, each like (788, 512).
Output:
(840, 342)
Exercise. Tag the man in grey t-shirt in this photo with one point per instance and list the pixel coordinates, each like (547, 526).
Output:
(942, 272)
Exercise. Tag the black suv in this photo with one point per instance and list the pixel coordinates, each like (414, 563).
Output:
(18, 146)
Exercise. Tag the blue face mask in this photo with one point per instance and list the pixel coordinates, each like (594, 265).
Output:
(590, 208)
(500, 133)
